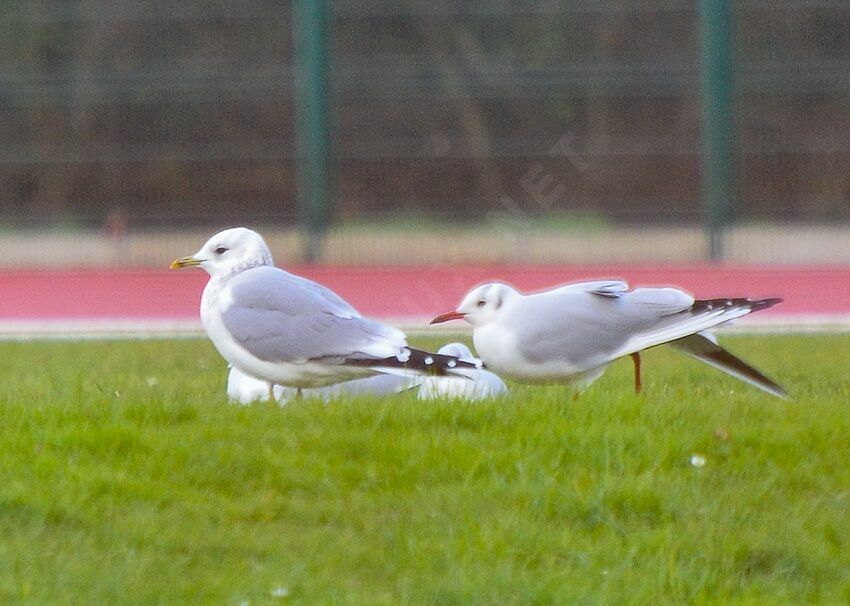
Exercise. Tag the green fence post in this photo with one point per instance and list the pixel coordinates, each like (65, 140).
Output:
(312, 125)
(717, 181)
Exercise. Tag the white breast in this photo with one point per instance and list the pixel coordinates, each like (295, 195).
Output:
(497, 349)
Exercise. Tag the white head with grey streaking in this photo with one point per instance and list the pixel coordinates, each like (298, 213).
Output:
(287, 330)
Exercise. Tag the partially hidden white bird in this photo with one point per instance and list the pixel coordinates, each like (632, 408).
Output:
(571, 333)
(244, 389)
(480, 384)
(476, 385)
(287, 330)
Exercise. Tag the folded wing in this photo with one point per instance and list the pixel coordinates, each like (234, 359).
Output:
(279, 317)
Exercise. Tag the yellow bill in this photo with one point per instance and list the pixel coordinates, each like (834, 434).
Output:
(185, 262)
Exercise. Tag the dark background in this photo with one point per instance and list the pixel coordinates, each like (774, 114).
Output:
(182, 114)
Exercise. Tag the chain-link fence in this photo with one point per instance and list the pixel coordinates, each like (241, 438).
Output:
(550, 131)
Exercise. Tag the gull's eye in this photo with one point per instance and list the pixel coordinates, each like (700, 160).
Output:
(220, 250)
(481, 303)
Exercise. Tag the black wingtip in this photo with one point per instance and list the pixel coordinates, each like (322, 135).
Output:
(760, 304)
(702, 305)
(419, 361)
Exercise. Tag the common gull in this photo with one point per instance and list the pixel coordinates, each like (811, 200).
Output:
(285, 329)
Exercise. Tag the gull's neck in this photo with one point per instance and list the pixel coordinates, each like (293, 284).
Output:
(220, 280)
(261, 261)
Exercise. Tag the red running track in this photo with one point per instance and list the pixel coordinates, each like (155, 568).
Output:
(402, 293)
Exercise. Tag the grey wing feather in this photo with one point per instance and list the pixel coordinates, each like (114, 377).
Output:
(603, 288)
(279, 317)
(568, 328)
(262, 282)
(585, 324)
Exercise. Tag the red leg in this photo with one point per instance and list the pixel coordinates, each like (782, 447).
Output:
(636, 361)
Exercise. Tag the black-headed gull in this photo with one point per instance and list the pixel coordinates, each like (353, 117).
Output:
(478, 384)
(287, 330)
(571, 333)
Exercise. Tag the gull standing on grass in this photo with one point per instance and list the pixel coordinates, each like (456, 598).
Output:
(571, 333)
(287, 330)
(483, 384)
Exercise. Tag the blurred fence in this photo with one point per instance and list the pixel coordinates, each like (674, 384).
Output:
(580, 119)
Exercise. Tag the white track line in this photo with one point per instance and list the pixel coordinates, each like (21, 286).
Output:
(96, 329)
(165, 328)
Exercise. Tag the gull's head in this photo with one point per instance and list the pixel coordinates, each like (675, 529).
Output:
(229, 251)
(482, 305)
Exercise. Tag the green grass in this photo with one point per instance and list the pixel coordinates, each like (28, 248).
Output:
(128, 479)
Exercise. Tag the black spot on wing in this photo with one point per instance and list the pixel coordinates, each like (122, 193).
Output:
(418, 360)
(707, 305)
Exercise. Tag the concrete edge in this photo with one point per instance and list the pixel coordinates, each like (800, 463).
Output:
(171, 328)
